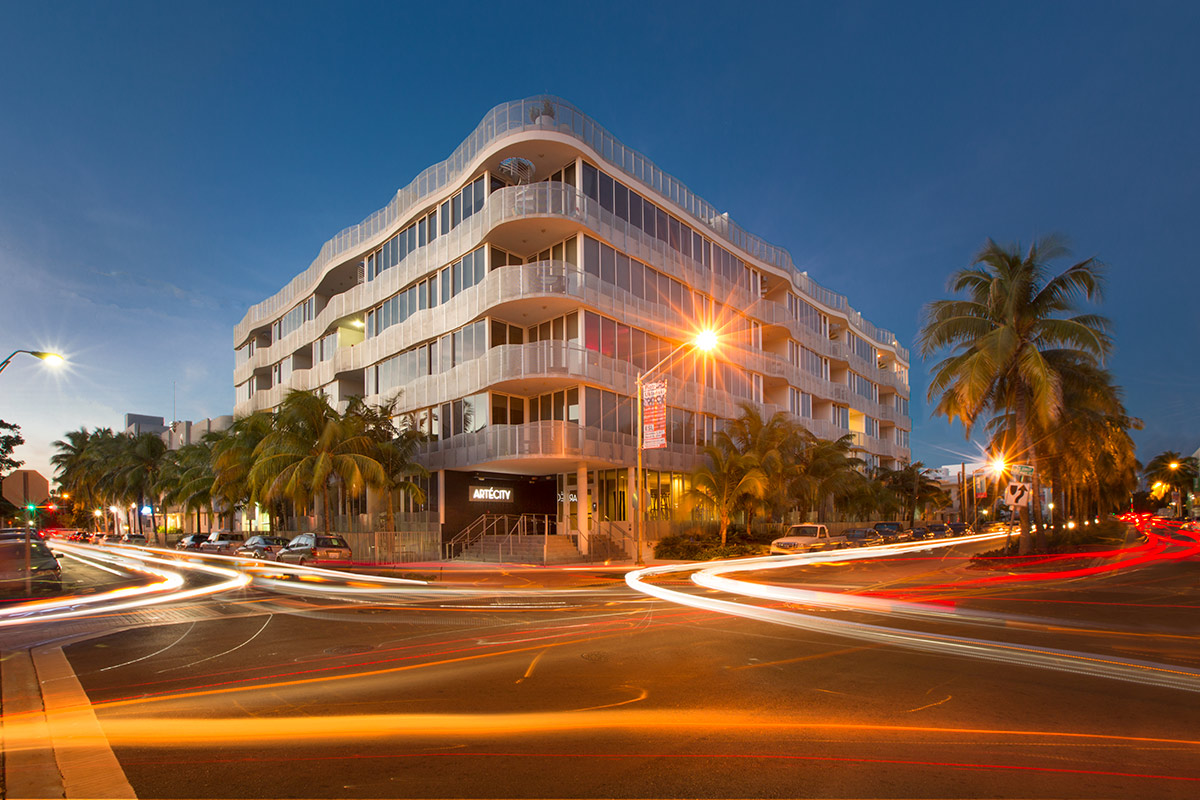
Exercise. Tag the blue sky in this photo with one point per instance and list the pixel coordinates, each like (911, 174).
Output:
(163, 167)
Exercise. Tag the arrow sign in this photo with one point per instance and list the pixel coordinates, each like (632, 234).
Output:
(1017, 495)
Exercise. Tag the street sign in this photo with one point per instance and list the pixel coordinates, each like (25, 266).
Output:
(1022, 473)
(26, 486)
(1017, 495)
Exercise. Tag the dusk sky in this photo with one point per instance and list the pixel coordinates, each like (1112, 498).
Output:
(164, 166)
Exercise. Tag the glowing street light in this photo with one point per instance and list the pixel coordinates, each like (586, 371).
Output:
(704, 341)
(53, 359)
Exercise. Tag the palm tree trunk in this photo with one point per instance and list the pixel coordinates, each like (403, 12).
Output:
(325, 499)
(391, 515)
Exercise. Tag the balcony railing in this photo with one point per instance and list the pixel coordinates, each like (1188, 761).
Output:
(551, 114)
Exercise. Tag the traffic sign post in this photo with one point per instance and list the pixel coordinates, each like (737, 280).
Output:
(25, 488)
(1017, 495)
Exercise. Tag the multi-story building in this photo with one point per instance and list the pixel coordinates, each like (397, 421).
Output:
(512, 294)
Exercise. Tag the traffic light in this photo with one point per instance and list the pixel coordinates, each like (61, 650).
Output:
(31, 508)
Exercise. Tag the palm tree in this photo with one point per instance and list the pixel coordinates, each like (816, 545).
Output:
(1176, 471)
(725, 481)
(771, 445)
(310, 447)
(395, 448)
(187, 478)
(233, 458)
(1014, 313)
(137, 467)
(915, 488)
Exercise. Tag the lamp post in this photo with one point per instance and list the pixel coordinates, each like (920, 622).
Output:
(53, 359)
(704, 341)
(1177, 495)
(996, 466)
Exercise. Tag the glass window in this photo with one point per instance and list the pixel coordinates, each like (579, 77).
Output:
(516, 411)
(660, 225)
(638, 348)
(445, 217)
(480, 266)
(572, 331)
(607, 264)
(622, 271)
(648, 219)
(591, 256)
(572, 254)
(515, 335)
(637, 279)
(499, 409)
(558, 333)
(572, 405)
(624, 343)
(635, 210)
(608, 336)
(606, 192)
(590, 182)
(592, 406)
(545, 402)
(621, 201)
(591, 331)
(499, 333)
(559, 405)
(569, 174)
(608, 411)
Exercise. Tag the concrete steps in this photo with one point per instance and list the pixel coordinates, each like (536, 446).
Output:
(523, 550)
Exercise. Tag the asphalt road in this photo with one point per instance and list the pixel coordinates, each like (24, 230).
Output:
(589, 689)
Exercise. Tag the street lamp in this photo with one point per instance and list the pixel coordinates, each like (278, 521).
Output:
(704, 341)
(53, 359)
(1175, 492)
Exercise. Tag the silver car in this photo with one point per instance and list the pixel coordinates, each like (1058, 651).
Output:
(264, 547)
(221, 542)
(316, 548)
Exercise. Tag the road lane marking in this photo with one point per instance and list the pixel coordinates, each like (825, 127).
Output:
(812, 657)
(533, 664)
(930, 705)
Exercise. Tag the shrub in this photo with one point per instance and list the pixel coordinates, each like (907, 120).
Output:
(696, 545)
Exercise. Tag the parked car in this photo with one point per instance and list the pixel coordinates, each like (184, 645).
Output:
(891, 532)
(222, 542)
(862, 537)
(264, 547)
(191, 542)
(134, 538)
(315, 548)
(19, 533)
(806, 538)
(43, 566)
(81, 536)
(918, 534)
(959, 528)
(108, 538)
(938, 530)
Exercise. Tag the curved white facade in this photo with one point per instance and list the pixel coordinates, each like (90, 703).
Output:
(513, 321)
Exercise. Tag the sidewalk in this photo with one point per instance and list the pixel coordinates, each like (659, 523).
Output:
(52, 743)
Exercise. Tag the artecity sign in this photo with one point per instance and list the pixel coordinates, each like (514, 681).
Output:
(491, 494)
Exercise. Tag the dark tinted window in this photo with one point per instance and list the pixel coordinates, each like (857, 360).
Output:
(331, 541)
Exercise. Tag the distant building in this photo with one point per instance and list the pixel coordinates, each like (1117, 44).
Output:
(178, 433)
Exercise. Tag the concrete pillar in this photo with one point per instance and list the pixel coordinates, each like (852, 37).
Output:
(583, 506)
(631, 512)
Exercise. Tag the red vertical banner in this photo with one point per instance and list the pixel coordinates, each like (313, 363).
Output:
(654, 415)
